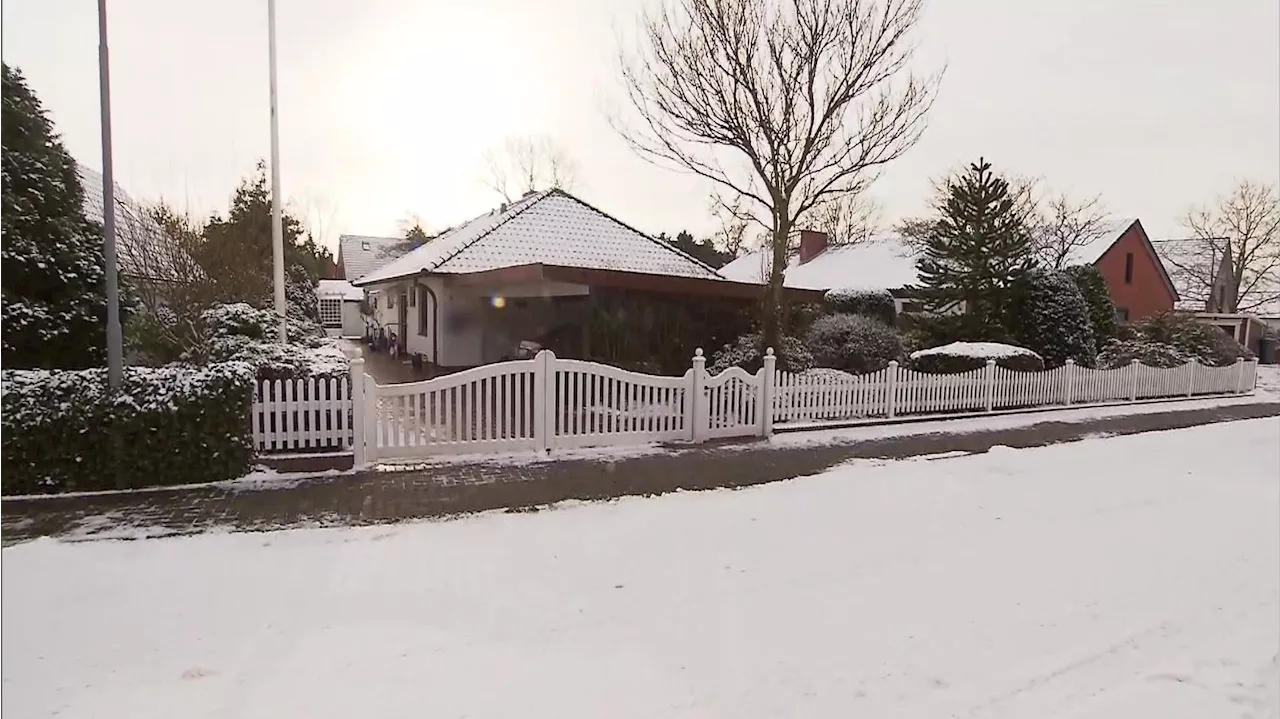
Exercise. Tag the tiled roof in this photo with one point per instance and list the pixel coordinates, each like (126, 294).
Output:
(549, 228)
(884, 263)
(362, 255)
(141, 249)
(339, 288)
(1091, 252)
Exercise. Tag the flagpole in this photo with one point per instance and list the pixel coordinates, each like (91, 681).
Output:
(277, 227)
(115, 343)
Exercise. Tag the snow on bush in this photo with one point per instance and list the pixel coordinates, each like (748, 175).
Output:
(853, 343)
(1209, 345)
(1120, 353)
(241, 333)
(67, 431)
(1047, 313)
(747, 353)
(877, 304)
(1102, 312)
(965, 356)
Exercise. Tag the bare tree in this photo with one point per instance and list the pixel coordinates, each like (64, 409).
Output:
(1246, 223)
(789, 105)
(1062, 226)
(846, 220)
(528, 163)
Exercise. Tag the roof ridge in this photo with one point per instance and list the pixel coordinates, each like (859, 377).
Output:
(511, 215)
(666, 245)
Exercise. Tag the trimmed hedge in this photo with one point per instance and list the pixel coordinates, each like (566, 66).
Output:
(876, 304)
(66, 431)
(853, 343)
(747, 353)
(950, 360)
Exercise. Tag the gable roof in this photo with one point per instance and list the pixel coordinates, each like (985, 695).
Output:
(328, 289)
(550, 228)
(141, 247)
(1092, 251)
(361, 254)
(882, 263)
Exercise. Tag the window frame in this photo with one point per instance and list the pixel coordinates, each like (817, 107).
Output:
(1128, 268)
(327, 307)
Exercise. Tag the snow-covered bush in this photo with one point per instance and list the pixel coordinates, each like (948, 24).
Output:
(66, 431)
(1209, 345)
(877, 304)
(1102, 312)
(853, 343)
(1047, 314)
(965, 356)
(1120, 353)
(241, 333)
(748, 354)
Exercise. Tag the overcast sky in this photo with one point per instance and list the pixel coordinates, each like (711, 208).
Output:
(387, 106)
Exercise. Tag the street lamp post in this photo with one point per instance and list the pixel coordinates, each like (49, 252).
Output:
(277, 226)
(115, 343)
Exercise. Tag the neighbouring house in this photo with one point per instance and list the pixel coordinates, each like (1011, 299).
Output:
(340, 308)
(525, 272)
(358, 255)
(882, 263)
(1139, 284)
(1247, 329)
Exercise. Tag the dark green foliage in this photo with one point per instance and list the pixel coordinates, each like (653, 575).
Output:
(241, 333)
(976, 247)
(950, 363)
(1121, 353)
(703, 250)
(65, 431)
(1048, 315)
(877, 304)
(747, 352)
(853, 343)
(53, 272)
(1205, 343)
(937, 330)
(1102, 312)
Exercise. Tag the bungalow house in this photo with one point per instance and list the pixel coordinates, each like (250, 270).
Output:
(521, 272)
(358, 255)
(1136, 278)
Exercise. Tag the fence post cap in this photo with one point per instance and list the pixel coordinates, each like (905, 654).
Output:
(893, 363)
(1239, 359)
(1135, 360)
(357, 361)
(697, 352)
(768, 352)
(991, 362)
(1069, 361)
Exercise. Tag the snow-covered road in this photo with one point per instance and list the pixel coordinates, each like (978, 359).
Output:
(1126, 577)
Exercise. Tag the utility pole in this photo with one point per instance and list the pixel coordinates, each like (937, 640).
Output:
(277, 227)
(115, 342)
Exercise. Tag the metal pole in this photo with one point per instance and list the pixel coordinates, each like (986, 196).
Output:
(115, 344)
(277, 227)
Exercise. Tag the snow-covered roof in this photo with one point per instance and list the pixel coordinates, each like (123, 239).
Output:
(981, 350)
(362, 254)
(548, 228)
(1091, 252)
(339, 288)
(141, 249)
(883, 263)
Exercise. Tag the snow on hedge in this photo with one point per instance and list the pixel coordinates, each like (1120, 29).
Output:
(977, 350)
(855, 294)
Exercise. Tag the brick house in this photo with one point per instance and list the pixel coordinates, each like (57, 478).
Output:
(1139, 284)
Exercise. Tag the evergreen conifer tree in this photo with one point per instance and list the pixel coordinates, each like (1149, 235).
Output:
(976, 248)
(53, 280)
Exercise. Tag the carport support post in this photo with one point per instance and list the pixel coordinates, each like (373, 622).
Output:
(1068, 379)
(1133, 380)
(989, 385)
(357, 412)
(765, 408)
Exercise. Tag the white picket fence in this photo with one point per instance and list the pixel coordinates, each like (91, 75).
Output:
(547, 403)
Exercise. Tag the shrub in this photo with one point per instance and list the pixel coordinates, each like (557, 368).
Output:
(965, 356)
(747, 353)
(877, 304)
(1047, 314)
(66, 431)
(936, 330)
(1102, 312)
(1205, 343)
(1119, 353)
(241, 333)
(853, 343)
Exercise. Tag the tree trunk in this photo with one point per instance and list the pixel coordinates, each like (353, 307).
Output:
(771, 329)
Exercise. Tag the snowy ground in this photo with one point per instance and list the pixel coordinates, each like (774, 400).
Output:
(1135, 576)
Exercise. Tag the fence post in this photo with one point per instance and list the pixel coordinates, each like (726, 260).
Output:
(357, 411)
(989, 385)
(699, 403)
(1191, 379)
(1069, 372)
(1239, 375)
(766, 393)
(1133, 379)
(891, 390)
(370, 417)
(544, 399)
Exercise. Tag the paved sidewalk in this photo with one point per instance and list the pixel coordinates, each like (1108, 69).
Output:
(452, 489)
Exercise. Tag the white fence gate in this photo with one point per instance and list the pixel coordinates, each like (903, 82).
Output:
(547, 403)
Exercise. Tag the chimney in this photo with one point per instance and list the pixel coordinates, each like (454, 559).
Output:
(812, 243)
(529, 193)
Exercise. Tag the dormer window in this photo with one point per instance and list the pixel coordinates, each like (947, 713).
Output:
(365, 246)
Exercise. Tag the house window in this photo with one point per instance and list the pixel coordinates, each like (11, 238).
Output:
(364, 246)
(373, 302)
(1122, 314)
(331, 312)
(391, 302)
(1128, 268)
(413, 296)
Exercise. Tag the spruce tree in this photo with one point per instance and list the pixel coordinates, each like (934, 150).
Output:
(976, 248)
(53, 280)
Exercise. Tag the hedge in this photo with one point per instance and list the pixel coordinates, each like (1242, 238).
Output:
(747, 353)
(853, 343)
(965, 356)
(1047, 314)
(877, 304)
(66, 431)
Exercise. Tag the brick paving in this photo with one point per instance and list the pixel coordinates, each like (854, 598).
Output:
(450, 489)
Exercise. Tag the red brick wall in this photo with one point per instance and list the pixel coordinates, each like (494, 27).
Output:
(1146, 294)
